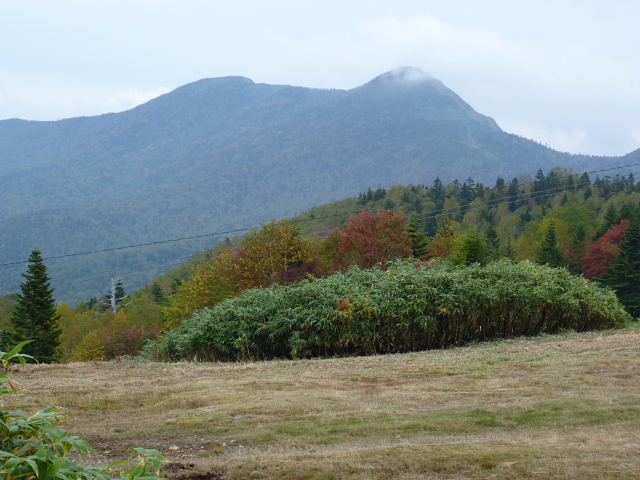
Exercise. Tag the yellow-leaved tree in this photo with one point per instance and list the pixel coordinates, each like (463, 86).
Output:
(275, 253)
(206, 286)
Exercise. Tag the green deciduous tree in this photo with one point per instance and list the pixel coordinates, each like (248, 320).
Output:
(471, 248)
(35, 317)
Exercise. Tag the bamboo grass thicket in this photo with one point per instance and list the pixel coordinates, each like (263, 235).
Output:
(399, 307)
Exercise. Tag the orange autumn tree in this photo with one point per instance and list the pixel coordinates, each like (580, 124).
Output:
(275, 253)
(368, 239)
(444, 243)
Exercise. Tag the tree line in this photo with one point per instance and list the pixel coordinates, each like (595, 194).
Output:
(560, 219)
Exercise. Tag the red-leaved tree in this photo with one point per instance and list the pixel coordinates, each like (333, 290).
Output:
(603, 251)
(370, 238)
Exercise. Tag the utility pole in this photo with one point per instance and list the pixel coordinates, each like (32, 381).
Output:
(114, 299)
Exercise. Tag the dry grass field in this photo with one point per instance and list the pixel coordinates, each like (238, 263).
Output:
(553, 407)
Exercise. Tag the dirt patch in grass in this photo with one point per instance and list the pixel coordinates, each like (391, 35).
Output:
(553, 407)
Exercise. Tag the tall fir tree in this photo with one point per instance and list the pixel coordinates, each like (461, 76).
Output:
(549, 253)
(157, 294)
(34, 317)
(493, 243)
(610, 219)
(418, 237)
(623, 275)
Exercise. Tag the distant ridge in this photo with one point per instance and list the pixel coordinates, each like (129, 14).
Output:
(225, 153)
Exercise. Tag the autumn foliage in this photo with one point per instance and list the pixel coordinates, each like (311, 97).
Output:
(602, 253)
(370, 238)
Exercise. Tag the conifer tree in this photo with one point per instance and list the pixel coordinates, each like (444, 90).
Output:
(539, 184)
(493, 243)
(34, 317)
(508, 251)
(576, 251)
(157, 295)
(513, 194)
(610, 219)
(549, 253)
(623, 275)
(418, 237)
(570, 183)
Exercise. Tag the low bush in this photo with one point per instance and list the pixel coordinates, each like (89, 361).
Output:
(402, 307)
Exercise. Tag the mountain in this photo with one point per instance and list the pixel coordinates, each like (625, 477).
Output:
(225, 153)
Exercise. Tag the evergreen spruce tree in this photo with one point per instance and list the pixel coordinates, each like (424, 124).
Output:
(570, 183)
(34, 317)
(513, 195)
(157, 295)
(576, 251)
(623, 275)
(418, 237)
(626, 212)
(610, 219)
(493, 243)
(508, 251)
(539, 185)
(549, 253)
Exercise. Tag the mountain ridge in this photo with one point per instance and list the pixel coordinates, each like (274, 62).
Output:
(224, 153)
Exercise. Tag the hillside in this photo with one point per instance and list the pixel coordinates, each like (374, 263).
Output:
(225, 153)
(551, 407)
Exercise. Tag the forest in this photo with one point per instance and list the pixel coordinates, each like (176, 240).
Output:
(223, 154)
(581, 225)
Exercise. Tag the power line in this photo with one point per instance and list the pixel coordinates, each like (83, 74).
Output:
(240, 229)
(431, 214)
(133, 246)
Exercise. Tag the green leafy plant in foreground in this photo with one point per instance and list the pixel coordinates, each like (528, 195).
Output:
(34, 448)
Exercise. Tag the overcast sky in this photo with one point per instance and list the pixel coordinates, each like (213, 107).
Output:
(566, 73)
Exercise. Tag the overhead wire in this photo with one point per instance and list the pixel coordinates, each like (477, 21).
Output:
(159, 242)
(432, 214)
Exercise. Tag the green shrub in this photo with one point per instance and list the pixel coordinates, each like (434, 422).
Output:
(404, 307)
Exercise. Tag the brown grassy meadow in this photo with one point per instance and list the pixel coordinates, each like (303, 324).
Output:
(552, 407)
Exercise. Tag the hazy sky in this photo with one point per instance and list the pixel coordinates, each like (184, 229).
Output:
(566, 73)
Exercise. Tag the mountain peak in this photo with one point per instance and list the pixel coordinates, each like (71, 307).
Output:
(404, 76)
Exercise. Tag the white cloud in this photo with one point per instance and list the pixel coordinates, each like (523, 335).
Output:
(131, 98)
(41, 104)
(427, 30)
(573, 64)
(572, 140)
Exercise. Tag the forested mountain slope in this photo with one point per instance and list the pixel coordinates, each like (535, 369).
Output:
(225, 153)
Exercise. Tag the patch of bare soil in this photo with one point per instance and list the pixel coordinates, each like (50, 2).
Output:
(188, 471)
